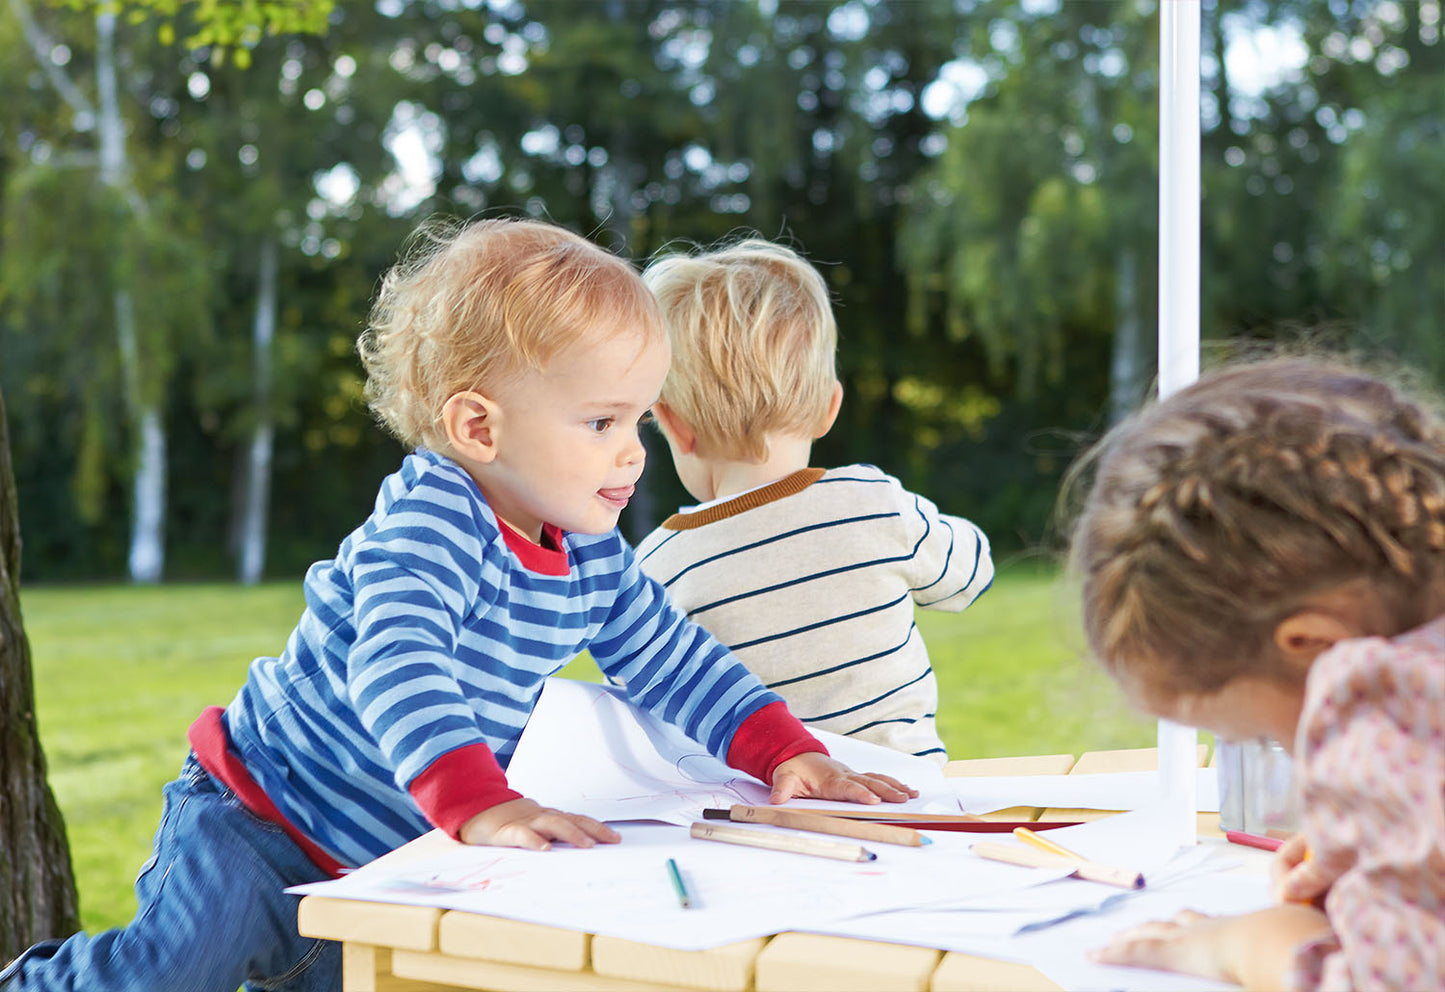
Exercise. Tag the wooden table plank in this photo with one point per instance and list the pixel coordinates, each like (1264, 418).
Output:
(1034, 764)
(723, 969)
(967, 973)
(806, 962)
(1139, 759)
(473, 973)
(492, 938)
(382, 924)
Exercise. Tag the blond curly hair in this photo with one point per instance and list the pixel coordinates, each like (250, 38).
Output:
(1217, 513)
(753, 342)
(470, 305)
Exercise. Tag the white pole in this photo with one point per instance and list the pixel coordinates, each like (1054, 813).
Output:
(1179, 194)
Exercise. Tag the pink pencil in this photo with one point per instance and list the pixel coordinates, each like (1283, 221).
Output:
(1253, 840)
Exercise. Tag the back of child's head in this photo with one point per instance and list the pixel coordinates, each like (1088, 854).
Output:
(1216, 513)
(470, 305)
(753, 342)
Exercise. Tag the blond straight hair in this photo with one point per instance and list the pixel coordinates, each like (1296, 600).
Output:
(470, 305)
(753, 345)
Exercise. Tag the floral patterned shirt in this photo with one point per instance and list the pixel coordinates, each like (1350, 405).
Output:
(1370, 766)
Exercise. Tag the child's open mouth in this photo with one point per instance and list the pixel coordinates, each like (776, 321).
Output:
(617, 497)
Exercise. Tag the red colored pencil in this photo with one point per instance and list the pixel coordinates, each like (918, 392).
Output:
(1253, 840)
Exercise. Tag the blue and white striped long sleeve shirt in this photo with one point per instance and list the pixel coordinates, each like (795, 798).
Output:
(432, 631)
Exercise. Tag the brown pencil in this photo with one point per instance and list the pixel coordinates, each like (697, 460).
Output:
(869, 813)
(819, 824)
(792, 843)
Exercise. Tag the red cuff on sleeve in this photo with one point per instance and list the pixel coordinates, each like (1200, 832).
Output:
(767, 738)
(459, 785)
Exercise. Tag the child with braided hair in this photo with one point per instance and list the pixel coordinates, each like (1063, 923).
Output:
(1263, 554)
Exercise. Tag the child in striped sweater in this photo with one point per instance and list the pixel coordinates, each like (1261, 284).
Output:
(518, 359)
(811, 576)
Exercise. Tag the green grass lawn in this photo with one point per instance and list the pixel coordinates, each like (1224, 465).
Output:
(121, 671)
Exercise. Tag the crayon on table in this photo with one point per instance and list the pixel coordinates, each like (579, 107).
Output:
(684, 897)
(791, 843)
(1253, 840)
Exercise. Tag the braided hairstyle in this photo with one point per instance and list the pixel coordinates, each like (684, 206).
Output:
(1218, 512)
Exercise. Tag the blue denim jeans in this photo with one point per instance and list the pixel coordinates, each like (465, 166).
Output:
(211, 913)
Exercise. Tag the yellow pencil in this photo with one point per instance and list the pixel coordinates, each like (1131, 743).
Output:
(1124, 878)
(1044, 844)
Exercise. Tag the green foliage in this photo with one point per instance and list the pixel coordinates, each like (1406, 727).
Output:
(986, 264)
(234, 26)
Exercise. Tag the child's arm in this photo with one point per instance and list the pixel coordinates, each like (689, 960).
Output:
(679, 672)
(951, 565)
(1256, 950)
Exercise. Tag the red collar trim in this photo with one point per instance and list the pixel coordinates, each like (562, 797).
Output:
(547, 558)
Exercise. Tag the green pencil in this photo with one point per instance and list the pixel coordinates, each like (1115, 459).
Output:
(684, 898)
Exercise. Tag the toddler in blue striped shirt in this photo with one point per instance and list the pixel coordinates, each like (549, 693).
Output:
(518, 360)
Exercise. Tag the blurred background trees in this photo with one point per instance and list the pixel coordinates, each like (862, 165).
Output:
(975, 178)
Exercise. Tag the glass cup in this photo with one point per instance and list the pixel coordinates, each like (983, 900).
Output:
(1256, 787)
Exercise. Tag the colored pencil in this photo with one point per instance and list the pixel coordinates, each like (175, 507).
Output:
(1124, 878)
(817, 823)
(949, 822)
(684, 897)
(792, 843)
(1253, 840)
(1044, 844)
(864, 813)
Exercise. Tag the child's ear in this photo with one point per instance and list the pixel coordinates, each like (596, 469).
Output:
(471, 423)
(681, 436)
(834, 405)
(1303, 635)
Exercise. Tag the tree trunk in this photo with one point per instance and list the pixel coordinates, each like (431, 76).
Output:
(37, 887)
(148, 510)
(258, 465)
(1128, 369)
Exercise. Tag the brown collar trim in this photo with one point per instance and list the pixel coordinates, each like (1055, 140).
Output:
(774, 491)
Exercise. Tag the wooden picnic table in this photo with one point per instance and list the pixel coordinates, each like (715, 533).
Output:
(395, 948)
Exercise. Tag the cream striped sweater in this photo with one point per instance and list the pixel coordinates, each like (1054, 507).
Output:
(812, 581)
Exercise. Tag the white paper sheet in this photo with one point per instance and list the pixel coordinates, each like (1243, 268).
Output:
(588, 750)
(1106, 790)
(1060, 951)
(624, 891)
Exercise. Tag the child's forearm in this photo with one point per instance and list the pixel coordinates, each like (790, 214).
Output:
(1259, 949)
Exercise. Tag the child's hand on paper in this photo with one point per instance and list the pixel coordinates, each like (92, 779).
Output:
(524, 823)
(1190, 943)
(812, 775)
(1296, 877)
(1252, 950)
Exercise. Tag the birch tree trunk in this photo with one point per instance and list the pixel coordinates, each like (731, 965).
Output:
(258, 464)
(1127, 364)
(37, 886)
(148, 510)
